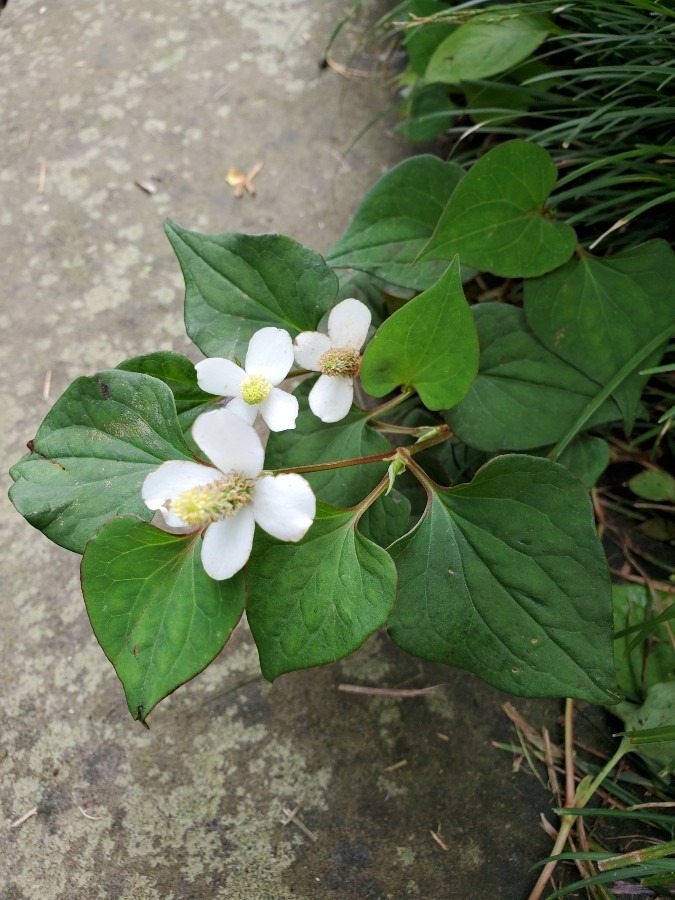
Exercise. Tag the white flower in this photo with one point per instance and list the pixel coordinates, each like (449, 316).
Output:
(229, 499)
(337, 355)
(268, 361)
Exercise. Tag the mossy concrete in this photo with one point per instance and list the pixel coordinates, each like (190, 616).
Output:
(95, 97)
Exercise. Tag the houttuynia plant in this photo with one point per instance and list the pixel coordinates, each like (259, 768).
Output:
(408, 481)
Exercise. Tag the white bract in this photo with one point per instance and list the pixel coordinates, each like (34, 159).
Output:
(268, 361)
(227, 501)
(337, 355)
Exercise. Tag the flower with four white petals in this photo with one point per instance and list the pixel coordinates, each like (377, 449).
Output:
(268, 361)
(337, 356)
(228, 498)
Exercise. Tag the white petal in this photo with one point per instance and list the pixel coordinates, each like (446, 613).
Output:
(331, 397)
(245, 411)
(280, 410)
(227, 544)
(219, 376)
(229, 442)
(171, 479)
(348, 324)
(270, 353)
(309, 346)
(284, 506)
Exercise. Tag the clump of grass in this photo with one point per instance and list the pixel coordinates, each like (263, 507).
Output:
(597, 93)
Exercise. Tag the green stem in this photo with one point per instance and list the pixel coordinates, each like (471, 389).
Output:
(597, 401)
(398, 429)
(437, 436)
(390, 404)
(339, 464)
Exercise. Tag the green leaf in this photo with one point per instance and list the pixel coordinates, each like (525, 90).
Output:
(598, 313)
(586, 457)
(429, 344)
(656, 486)
(496, 219)
(655, 712)
(395, 220)
(506, 577)
(524, 396)
(236, 284)
(642, 657)
(485, 47)
(427, 113)
(387, 519)
(157, 615)
(316, 601)
(422, 40)
(92, 453)
(313, 441)
(180, 375)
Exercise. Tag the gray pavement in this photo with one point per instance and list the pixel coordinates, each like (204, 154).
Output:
(172, 93)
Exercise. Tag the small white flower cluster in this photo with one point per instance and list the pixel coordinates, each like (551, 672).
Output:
(227, 498)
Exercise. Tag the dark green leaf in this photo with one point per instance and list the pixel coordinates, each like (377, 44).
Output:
(313, 441)
(496, 219)
(524, 396)
(394, 222)
(158, 617)
(506, 577)
(314, 602)
(426, 113)
(598, 313)
(387, 519)
(179, 374)
(236, 284)
(586, 457)
(485, 47)
(92, 453)
(429, 344)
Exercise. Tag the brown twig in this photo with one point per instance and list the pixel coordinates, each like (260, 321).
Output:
(387, 692)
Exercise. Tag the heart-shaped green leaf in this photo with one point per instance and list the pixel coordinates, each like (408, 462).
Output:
(506, 577)
(395, 220)
(157, 615)
(313, 441)
(236, 284)
(496, 218)
(92, 453)
(314, 602)
(485, 46)
(429, 344)
(598, 313)
(524, 396)
(180, 375)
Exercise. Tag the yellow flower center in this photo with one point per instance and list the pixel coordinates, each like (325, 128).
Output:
(212, 502)
(255, 389)
(340, 361)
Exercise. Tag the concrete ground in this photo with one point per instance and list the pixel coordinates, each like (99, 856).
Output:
(171, 93)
